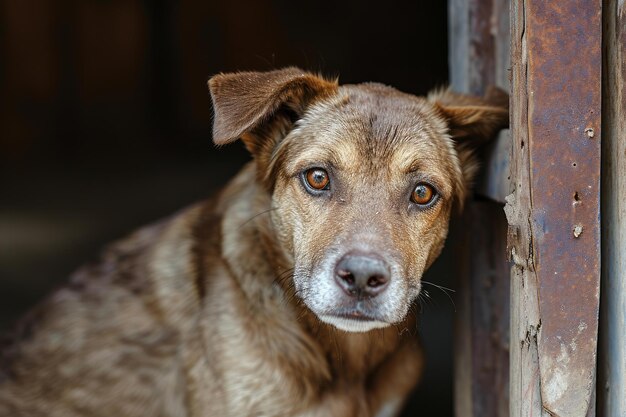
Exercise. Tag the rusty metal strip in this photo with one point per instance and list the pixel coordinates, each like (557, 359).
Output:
(564, 95)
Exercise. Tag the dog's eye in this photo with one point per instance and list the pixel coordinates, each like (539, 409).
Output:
(423, 194)
(317, 179)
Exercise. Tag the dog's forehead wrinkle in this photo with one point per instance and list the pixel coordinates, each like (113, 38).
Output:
(386, 131)
(378, 107)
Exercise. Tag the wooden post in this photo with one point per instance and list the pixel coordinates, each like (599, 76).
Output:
(554, 211)
(482, 339)
(479, 57)
(612, 367)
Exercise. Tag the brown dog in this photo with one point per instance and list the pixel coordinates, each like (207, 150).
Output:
(286, 295)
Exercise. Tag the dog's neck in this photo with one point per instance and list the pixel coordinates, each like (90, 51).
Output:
(266, 280)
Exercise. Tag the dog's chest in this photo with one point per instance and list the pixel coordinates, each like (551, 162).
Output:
(251, 354)
(263, 363)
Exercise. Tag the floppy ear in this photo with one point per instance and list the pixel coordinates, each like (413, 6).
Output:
(472, 121)
(244, 102)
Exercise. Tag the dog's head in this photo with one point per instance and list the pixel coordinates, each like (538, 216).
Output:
(363, 179)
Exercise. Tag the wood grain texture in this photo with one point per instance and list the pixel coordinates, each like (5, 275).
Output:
(612, 366)
(479, 57)
(482, 310)
(494, 181)
(525, 394)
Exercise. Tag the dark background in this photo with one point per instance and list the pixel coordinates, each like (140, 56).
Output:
(105, 121)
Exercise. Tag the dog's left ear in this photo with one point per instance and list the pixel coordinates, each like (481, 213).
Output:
(247, 102)
(472, 121)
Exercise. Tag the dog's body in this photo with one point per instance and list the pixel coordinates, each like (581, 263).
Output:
(251, 304)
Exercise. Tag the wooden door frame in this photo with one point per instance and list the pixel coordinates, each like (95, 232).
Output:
(612, 345)
(552, 207)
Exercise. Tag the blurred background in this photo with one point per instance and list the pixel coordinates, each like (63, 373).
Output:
(105, 122)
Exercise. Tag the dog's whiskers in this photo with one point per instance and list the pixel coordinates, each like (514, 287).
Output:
(423, 299)
(444, 290)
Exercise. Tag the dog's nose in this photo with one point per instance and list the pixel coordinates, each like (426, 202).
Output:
(362, 275)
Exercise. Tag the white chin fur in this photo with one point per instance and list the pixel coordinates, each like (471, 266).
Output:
(350, 325)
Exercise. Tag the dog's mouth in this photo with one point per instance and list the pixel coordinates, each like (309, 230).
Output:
(352, 323)
(355, 319)
(356, 316)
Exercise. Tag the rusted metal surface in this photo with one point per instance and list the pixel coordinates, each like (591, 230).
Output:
(479, 57)
(612, 360)
(554, 211)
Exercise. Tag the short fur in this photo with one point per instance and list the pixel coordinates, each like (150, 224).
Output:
(228, 308)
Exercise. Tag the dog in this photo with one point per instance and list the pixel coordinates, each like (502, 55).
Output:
(289, 293)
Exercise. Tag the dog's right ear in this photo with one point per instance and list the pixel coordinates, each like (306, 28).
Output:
(245, 102)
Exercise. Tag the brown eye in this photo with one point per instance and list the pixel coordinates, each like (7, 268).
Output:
(423, 194)
(317, 179)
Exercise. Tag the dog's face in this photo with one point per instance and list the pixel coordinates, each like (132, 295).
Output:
(363, 179)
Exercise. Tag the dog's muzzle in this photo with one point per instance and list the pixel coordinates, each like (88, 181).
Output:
(361, 277)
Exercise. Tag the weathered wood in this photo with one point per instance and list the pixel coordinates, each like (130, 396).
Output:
(482, 316)
(479, 58)
(471, 51)
(494, 181)
(460, 238)
(612, 367)
(525, 392)
(553, 212)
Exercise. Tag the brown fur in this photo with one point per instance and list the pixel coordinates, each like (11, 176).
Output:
(215, 311)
